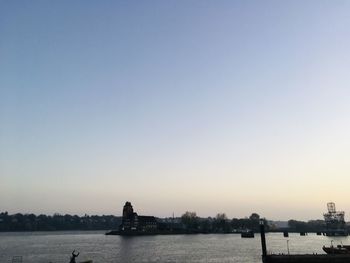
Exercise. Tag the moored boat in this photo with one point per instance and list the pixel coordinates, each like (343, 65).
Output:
(336, 249)
(247, 234)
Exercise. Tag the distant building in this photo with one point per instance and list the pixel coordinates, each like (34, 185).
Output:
(132, 222)
(335, 223)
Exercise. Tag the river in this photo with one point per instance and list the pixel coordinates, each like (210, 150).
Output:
(56, 247)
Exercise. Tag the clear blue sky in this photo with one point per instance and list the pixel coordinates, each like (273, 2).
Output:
(207, 106)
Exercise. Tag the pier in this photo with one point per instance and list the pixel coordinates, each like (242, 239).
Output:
(298, 258)
(306, 258)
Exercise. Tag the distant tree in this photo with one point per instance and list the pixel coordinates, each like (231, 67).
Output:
(254, 217)
(221, 217)
(221, 224)
(190, 220)
(298, 226)
(252, 222)
(310, 226)
(205, 226)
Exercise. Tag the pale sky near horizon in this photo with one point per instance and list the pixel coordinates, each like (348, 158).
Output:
(206, 106)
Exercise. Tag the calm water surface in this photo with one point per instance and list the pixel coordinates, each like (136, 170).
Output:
(56, 247)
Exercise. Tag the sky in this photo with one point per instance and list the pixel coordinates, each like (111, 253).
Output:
(205, 106)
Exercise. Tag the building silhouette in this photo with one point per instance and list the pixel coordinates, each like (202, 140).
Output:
(132, 222)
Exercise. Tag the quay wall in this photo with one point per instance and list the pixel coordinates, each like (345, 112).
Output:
(306, 258)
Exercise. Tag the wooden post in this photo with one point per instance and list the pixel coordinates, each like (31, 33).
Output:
(263, 240)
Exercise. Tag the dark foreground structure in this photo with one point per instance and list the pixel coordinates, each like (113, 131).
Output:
(302, 258)
(307, 258)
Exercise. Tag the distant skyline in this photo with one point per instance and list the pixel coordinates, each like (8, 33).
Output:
(206, 106)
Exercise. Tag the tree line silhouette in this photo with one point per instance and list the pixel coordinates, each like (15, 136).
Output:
(189, 221)
(220, 223)
(31, 222)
